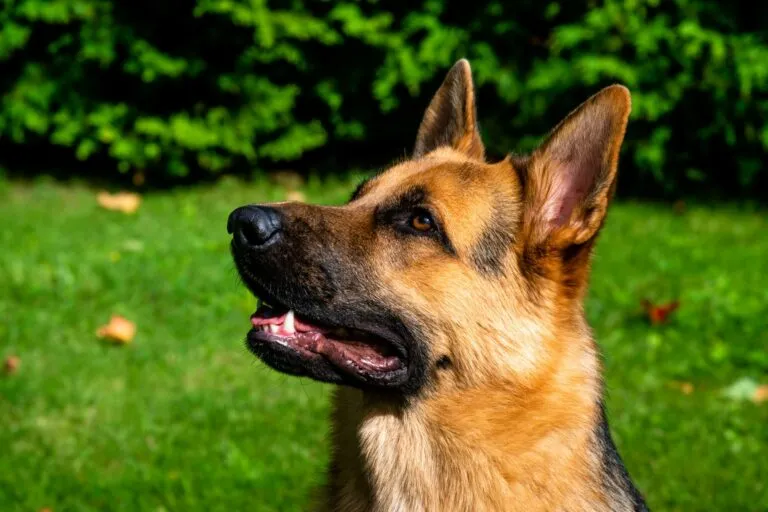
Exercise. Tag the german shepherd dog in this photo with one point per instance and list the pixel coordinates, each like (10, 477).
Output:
(445, 298)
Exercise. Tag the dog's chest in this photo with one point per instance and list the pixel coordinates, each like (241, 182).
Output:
(398, 457)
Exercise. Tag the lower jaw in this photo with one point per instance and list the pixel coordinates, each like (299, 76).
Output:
(298, 361)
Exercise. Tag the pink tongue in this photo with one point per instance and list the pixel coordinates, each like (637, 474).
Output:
(353, 355)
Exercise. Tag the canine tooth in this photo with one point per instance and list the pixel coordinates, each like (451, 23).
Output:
(274, 328)
(288, 324)
(265, 328)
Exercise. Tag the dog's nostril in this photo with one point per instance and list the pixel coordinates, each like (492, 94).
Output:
(252, 235)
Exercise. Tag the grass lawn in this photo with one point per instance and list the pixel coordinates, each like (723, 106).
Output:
(185, 419)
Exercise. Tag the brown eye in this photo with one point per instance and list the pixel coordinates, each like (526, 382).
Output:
(422, 221)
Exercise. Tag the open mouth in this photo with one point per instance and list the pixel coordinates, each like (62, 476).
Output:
(352, 352)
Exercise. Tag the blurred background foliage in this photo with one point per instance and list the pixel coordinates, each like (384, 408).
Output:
(188, 90)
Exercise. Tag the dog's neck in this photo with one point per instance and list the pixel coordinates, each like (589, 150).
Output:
(495, 447)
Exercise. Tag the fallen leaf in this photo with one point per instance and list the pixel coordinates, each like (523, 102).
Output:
(138, 179)
(12, 364)
(685, 387)
(118, 330)
(126, 202)
(295, 195)
(761, 394)
(46, 509)
(679, 207)
(659, 314)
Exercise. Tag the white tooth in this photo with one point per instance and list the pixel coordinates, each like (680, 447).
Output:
(274, 328)
(265, 328)
(288, 325)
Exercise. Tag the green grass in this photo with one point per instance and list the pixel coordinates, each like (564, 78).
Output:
(185, 419)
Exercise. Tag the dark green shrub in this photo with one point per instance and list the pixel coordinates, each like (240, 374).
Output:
(227, 85)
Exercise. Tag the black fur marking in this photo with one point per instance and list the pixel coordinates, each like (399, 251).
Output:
(520, 163)
(410, 199)
(443, 363)
(531, 262)
(491, 249)
(533, 270)
(572, 253)
(616, 481)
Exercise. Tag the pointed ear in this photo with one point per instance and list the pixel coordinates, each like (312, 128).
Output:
(450, 119)
(571, 177)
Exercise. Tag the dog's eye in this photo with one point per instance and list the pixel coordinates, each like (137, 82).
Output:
(422, 221)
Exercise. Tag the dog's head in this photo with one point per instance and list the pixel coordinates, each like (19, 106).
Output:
(443, 270)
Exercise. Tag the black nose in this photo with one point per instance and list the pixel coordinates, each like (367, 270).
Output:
(254, 226)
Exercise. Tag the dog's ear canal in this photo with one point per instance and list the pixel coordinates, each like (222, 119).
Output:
(451, 118)
(570, 178)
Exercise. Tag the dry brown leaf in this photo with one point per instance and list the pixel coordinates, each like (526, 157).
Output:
(118, 330)
(761, 394)
(684, 387)
(659, 313)
(126, 202)
(295, 195)
(46, 509)
(12, 364)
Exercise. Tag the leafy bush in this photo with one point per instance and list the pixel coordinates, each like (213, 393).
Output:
(225, 85)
